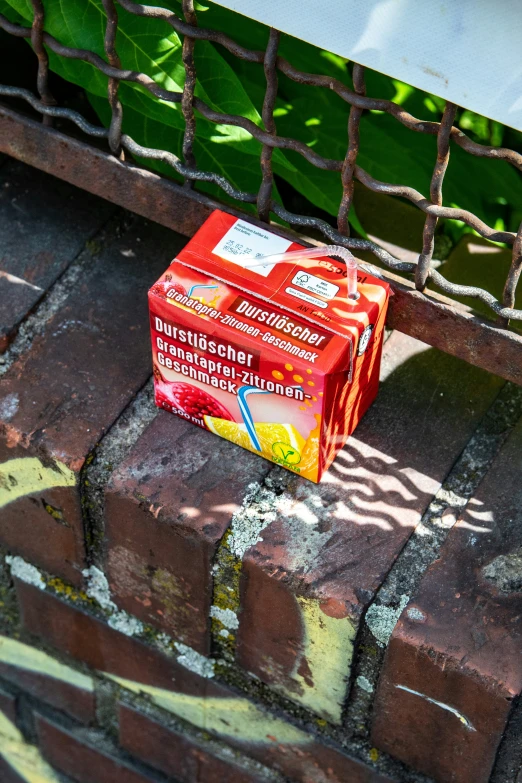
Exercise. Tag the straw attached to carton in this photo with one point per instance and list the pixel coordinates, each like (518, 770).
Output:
(285, 372)
(314, 252)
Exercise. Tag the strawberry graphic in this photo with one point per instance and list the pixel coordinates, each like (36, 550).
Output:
(157, 374)
(196, 402)
(163, 287)
(161, 397)
(177, 287)
(161, 390)
(188, 398)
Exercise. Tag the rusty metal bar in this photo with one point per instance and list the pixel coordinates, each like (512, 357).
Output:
(37, 35)
(358, 100)
(316, 80)
(400, 114)
(264, 196)
(428, 236)
(296, 220)
(112, 90)
(187, 100)
(508, 298)
(429, 317)
(282, 142)
(348, 169)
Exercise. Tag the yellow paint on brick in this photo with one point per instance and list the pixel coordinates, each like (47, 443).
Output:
(328, 649)
(26, 475)
(14, 653)
(236, 718)
(23, 758)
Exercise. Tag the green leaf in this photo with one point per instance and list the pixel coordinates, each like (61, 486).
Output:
(10, 13)
(235, 166)
(392, 153)
(150, 46)
(317, 116)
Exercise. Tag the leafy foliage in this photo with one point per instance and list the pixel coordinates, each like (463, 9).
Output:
(389, 151)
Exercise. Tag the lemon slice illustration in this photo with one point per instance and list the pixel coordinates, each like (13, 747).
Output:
(281, 440)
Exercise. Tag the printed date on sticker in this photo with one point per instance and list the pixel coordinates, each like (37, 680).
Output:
(244, 241)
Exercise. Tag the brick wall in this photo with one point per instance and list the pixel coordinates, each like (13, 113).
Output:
(174, 608)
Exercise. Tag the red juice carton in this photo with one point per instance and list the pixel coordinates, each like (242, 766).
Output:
(274, 357)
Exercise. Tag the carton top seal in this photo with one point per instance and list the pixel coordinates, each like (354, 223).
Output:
(314, 290)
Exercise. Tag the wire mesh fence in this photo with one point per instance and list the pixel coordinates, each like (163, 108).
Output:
(357, 100)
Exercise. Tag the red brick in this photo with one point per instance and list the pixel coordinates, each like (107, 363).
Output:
(92, 641)
(58, 401)
(8, 708)
(60, 686)
(458, 645)
(210, 706)
(44, 224)
(8, 705)
(78, 703)
(307, 582)
(81, 757)
(174, 753)
(167, 508)
(177, 755)
(13, 748)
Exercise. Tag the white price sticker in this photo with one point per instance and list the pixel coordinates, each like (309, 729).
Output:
(244, 241)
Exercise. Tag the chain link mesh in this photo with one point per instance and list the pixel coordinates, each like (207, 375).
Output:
(423, 270)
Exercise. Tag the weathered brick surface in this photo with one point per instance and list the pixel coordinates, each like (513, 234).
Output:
(45, 678)
(78, 703)
(176, 754)
(44, 223)
(7, 721)
(452, 670)
(308, 580)
(81, 758)
(167, 507)
(20, 762)
(58, 401)
(92, 641)
(203, 702)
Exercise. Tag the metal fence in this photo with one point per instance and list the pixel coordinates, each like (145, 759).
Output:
(423, 270)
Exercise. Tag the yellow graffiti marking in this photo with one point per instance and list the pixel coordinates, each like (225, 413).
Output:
(24, 759)
(328, 649)
(25, 475)
(230, 717)
(23, 656)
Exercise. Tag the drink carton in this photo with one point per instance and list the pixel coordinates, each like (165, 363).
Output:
(273, 357)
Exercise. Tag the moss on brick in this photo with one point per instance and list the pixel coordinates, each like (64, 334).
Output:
(227, 573)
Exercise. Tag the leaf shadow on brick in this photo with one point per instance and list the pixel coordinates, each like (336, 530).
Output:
(452, 668)
(330, 546)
